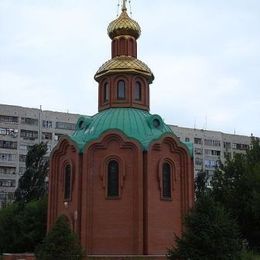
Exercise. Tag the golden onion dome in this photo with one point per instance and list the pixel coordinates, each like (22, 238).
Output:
(125, 64)
(124, 25)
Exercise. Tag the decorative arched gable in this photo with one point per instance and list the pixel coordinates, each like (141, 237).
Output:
(103, 211)
(169, 148)
(64, 154)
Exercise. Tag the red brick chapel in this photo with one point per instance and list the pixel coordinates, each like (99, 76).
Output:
(123, 179)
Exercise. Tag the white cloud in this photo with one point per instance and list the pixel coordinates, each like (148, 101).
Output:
(205, 57)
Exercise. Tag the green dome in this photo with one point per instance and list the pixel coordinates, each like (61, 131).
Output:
(134, 123)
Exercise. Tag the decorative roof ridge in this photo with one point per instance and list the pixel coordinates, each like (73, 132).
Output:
(124, 63)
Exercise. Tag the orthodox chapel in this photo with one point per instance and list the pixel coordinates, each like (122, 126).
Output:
(123, 178)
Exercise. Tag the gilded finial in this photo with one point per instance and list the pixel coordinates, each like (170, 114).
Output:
(124, 9)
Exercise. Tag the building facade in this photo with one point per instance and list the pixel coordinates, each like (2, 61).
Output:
(211, 147)
(20, 128)
(123, 179)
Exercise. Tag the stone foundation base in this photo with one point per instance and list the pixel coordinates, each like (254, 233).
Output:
(126, 257)
(90, 257)
(19, 257)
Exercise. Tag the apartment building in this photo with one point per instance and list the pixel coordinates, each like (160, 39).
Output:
(22, 127)
(210, 147)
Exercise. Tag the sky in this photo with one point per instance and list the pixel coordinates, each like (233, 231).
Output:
(205, 56)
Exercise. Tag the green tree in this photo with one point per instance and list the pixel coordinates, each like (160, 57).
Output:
(32, 184)
(23, 223)
(210, 232)
(22, 226)
(32, 221)
(8, 227)
(60, 243)
(236, 185)
(201, 182)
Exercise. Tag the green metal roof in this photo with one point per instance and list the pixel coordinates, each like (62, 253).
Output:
(136, 124)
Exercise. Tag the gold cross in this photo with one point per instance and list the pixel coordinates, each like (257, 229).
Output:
(124, 5)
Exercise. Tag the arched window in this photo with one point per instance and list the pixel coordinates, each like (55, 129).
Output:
(166, 181)
(113, 179)
(106, 92)
(121, 89)
(67, 182)
(138, 91)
